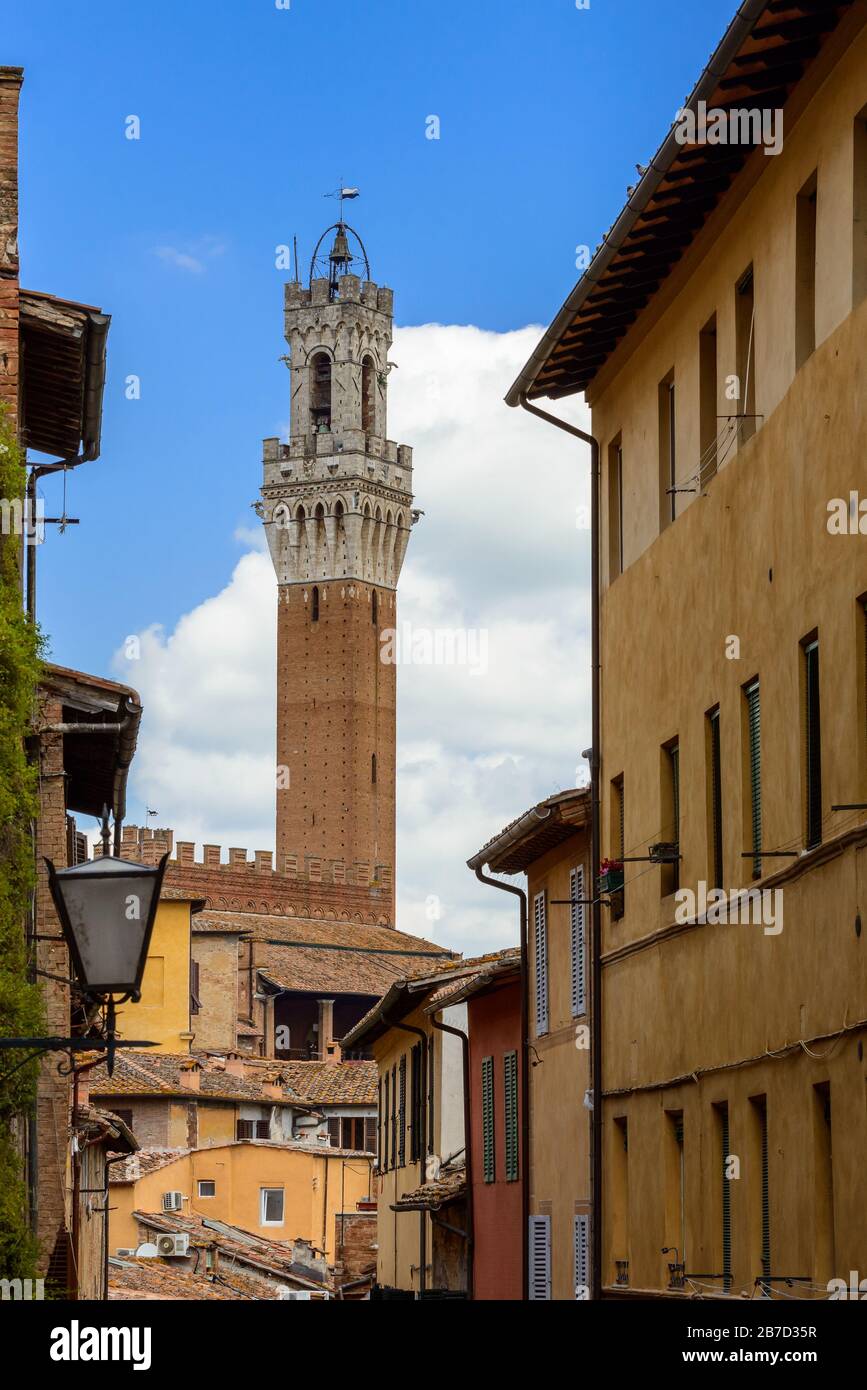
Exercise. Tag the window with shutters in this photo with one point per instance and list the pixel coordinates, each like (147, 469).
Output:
(334, 1135)
(489, 1154)
(675, 1190)
(861, 668)
(723, 1155)
(823, 1193)
(386, 1121)
(582, 1258)
(619, 1205)
(430, 1096)
(416, 1103)
(195, 1004)
(670, 808)
(714, 799)
(510, 1115)
(667, 452)
(812, 744)
(369, 1138)
(540, 1258)
(401, 1118)
(753, 797)
(578, 897)
(618, 844)
(762, 1207)
(745, 354)
(243, 1129)
(540, 961)
(378, 1126)
(394, 1115)
(615, 509)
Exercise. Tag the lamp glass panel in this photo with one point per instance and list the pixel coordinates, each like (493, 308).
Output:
(108, 917)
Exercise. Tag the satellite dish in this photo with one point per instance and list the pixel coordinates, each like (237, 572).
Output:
(148, 1251)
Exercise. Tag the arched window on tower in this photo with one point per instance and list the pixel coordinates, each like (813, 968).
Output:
(368, 376)
(374, 609)
(373, 768)
(320, 392)
(314, 607)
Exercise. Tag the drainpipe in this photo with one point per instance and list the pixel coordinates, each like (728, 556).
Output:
(595, 838)
(525, 1077)
(468, 1154)
(422, 1228)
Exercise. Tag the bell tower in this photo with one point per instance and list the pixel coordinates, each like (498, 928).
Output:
(337, 510)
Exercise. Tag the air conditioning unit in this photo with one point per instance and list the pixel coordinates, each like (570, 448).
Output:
(173, 1201)
(173, 1245)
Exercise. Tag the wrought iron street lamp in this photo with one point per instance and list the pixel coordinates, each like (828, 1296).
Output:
(106, 909)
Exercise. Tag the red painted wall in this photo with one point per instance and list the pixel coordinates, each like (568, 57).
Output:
(495, 1029)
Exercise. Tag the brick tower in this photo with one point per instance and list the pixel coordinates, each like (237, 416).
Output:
(337, 509)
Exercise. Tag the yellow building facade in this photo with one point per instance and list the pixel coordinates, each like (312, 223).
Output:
(163, 1014)
(278, 1191)
(726, 394)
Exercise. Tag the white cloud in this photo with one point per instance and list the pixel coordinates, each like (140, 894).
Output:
(499, 550)
(194, 256)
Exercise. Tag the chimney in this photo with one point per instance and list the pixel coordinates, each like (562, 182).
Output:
(189, 1078)
(328, 1049)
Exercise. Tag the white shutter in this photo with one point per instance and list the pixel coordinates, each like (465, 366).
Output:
(579, 951)
(540, 937)
(582, 1258)
(540, 1258)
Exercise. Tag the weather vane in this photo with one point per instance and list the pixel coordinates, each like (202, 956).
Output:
(344, 194)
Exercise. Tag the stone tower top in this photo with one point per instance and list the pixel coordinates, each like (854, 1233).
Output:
(337, 498)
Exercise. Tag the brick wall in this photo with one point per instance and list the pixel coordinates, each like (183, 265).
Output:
(355, 1242)
(335, 713)
(53, 1098)
(215, 1027)
(10, 87)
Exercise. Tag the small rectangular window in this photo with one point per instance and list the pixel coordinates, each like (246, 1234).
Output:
(578, 895)
(271, 1206)
(709, 424)
(244, 1129)
(670, 808)
(510, 1114)
(488, 1118)
(753, 797)
(667, 451)
(812, 745)
(207, 1188)
(401, 1119)
(859, 224)
(618, 843)
(805, 272)
(540, 962)
(745, 354)
(714, 800)
(615, 509)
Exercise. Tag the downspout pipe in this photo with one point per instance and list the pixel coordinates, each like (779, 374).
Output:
(468, 1148)
(525, 1072)
(595, 835)
(422, 1227)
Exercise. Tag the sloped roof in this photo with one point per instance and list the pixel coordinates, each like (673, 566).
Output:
(152, 1280)
(159, 1073)
(759, 62)
(316, 954)
(450, 1186)
(270, 1256)
(347, 1083)
(406, 994)
(533, 834)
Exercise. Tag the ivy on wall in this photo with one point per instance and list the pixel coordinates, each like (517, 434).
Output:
(20, 1001)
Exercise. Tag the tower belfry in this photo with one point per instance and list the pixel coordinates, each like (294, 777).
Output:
(337, 510)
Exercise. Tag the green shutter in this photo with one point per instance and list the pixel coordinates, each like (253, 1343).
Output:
(488, 1148)
(754, 717)
(726, 1203)
(401, 1121)
(510, 1090)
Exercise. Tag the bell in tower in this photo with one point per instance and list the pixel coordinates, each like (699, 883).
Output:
(337, 509)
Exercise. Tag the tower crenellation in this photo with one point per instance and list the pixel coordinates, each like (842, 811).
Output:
(337, 507)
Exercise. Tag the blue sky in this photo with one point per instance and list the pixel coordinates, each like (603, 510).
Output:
(248, 115)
